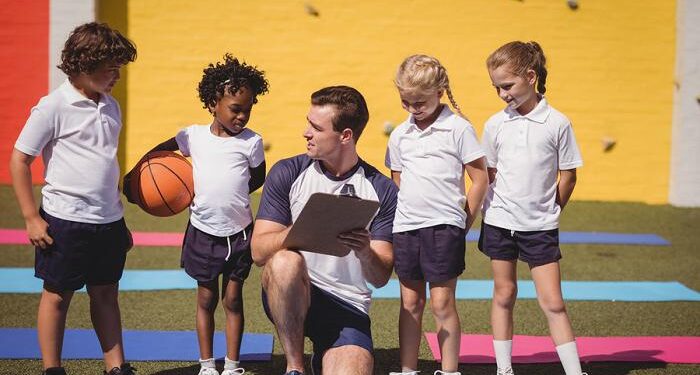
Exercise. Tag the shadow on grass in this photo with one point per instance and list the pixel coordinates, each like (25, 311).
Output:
(274, 366)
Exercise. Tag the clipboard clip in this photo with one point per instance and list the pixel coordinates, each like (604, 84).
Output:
(348, 190)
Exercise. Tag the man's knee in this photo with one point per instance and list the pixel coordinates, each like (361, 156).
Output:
(348, 359)
(283, 268)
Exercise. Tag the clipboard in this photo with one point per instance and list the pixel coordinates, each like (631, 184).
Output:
(324, 217)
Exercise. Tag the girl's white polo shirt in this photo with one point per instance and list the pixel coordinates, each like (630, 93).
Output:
(431, 163)
(78, 141)
(221, 171)
(528, 151)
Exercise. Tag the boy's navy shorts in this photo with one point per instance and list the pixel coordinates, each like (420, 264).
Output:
(433, 254)
(536, 248)
(205, 256)
(82, 253)
(331, 323)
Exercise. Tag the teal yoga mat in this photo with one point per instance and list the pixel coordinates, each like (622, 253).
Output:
(22, 280)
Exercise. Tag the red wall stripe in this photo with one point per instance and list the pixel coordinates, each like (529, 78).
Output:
(24, 56)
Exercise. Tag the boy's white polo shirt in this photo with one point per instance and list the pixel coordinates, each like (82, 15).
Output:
(78, 140)
(528, 152)
(431, 163)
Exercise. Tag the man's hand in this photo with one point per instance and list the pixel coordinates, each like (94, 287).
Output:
(357, 241)
(38, 233)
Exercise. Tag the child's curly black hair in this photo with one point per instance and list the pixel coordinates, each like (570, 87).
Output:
(230, 75)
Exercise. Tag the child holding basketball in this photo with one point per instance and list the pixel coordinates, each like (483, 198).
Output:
(428, 156)
(79, 231)
(528, 146)
(228, 164)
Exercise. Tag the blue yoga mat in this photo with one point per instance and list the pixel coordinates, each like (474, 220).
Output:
(599, 238)
(637, 291)
(21, 343)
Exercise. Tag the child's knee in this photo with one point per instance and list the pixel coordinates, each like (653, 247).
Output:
(443, 306)
(207, 301)
(552, 306)
(233, 304)
(504, 296)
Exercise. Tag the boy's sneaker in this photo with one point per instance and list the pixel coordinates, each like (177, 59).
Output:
(294, 372)
(54, 371)
(236, 371)
(440, 372)
(124, 369)
(208, 371)
(505, 371)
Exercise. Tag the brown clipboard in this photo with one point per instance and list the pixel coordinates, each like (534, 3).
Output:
(324, 217)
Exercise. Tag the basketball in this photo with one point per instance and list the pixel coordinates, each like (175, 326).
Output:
(162, 184)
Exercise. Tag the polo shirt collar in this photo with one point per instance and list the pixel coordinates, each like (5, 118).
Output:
(440, 122)
(74, 96)
(539, 114)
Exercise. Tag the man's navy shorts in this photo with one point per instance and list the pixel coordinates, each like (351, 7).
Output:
(82, 253)
(331, 323)
(205, 256)
(536, 248)
(433, 254)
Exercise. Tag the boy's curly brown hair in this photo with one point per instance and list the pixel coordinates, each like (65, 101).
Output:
(93, 44)
(230, 76)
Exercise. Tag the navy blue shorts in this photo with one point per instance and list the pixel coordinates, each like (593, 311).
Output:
(536, 248)
(82, 253)
(433, 254)
(205, 257)
(331, 323)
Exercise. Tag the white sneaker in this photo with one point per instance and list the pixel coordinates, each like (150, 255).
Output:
(405, 373)
(208, 371)
(505, 371)
(440, 372)
(236, 371)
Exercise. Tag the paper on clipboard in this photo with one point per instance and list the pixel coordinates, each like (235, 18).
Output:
(324, 217)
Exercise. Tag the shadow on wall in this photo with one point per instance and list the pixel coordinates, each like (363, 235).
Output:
(114, 13)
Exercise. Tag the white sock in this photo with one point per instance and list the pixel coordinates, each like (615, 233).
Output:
(568, 355)
(230, 364)
(208, 363)
(503, 350)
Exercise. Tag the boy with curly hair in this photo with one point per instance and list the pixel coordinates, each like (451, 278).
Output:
(228, 164)
(79, 231)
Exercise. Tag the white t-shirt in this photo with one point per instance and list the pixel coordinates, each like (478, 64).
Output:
(288, 187)
(221, 205)
(528, 152)
(78, 140)
(431, 163)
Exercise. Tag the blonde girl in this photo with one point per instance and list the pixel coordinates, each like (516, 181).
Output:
(429, 155)
(532, 159)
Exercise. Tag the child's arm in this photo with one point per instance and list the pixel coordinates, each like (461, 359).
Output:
(257, 177)
(476, 170)
(396, 177)
(492, 174)
(169, 145)
(565, 187)
(22, 183)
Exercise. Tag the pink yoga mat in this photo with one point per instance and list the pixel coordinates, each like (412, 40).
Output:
(537, 349)
(19, 237)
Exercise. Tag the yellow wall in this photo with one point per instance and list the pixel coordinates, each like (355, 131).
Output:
(610, 70)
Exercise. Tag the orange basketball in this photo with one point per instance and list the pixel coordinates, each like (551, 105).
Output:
(163, 184)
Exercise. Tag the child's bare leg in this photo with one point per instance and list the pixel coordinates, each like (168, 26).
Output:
(548, 285)
(410, 322)
(106, 318)
(235, 320)
(505, 292)
(207, 300)
(51, 324)
(442, 302)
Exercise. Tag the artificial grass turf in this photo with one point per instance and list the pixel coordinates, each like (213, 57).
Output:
(174, 310)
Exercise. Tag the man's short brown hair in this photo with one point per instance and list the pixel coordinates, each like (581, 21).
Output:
(352, 112)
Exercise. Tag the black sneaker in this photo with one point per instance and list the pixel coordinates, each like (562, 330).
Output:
(294, 372)
(54, 371)
(124, 369)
